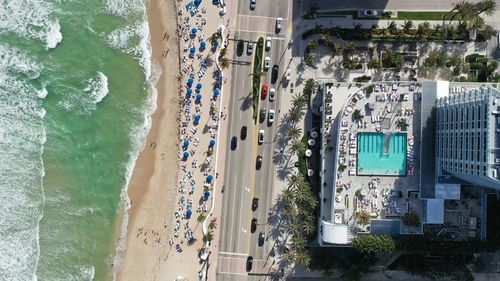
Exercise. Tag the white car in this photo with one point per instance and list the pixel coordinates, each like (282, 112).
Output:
(278, 24)
(272, 94)
(250, 48)
(288, 75)
(270, 118)
(267, 63)
(252, 4)
(261, 136)
(268, 44)
(370, 13)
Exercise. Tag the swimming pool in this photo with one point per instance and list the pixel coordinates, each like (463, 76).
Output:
(382, 154)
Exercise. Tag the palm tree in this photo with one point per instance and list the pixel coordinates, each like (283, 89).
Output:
(294, 181)
(363, 217)
(224, 63)
(294, 132)
(295, 115)
(299, 242)
(289, 212)
(213, 224)
(299, 101)
(295, 227)
(309, 228)
(407, 26)
(309, 60)
(201, 218)
(350, 48)
(297, 147)
(303, 258)
(424, 30)
(313, 44)
(459, 9)
(310, 86)
(335, 49)
(487, 7)
(214, 37)
(393, 28)
(289, 257)
(287, 196)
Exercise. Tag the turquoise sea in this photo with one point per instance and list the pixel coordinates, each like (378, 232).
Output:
(74, 101)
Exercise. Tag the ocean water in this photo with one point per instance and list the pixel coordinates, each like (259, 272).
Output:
(74, 101)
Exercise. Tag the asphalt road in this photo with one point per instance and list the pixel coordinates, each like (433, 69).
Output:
(242, 180)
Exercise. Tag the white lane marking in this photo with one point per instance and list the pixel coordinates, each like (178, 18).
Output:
(232, 273)
(232, 254)
(244, 230)
(260, 17)
(247, 189)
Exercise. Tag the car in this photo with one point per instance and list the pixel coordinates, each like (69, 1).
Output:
(288, 75)
(370, 13)
(243, 133)
(267, 63)
(249, 263)
(265, 89)
(261, 136)
(274, 73)
(262, 115)
(234, 142)
(253, 225)
(262, 238)
(270, 117)
(239, 47)
(253, 4)
(258, 162)
(255, 203)
(272, 94)
(249, 48)
(268, 44)
(278, 24)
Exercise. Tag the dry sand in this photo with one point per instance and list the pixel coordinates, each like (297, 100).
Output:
(152, 186)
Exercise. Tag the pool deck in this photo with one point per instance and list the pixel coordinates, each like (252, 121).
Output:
(386, 109)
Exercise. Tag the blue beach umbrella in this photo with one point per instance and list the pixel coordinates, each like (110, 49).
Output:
(189, 91)
(185, 144)
(197, 2)
(206, 195)
(198, 97)
(216, 92)
(203, 44)
(185, 155)
(194, 30)
(212, 142)
(210, 178)
(216, 85)
(190, 82)
(215, 43)
(192, 50)
(189, 213)
(197, 118)
(198, 86)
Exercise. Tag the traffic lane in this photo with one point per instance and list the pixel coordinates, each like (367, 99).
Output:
(260, 25)
(421, 5)
(264, 8)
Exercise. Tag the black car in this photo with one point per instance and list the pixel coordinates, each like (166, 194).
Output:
(249, 263)
(234, 143)
(262, 115)
(258, 163)
(239, 48)
(274, 73)
(255, 203)
(253, 225)
(243, 134)
(261, 239)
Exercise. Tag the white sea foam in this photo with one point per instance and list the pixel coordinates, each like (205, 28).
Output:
(42, 93)
(21, 170)
(97, 88)
(124, 8)
(30, 19)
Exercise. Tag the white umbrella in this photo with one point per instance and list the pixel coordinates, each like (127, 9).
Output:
(310, 172)
(314, 134)
(311, 142)
(308, 153)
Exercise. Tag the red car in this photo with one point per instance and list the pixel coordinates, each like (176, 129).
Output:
(265, 89)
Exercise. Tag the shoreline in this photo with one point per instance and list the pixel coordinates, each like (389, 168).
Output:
(151, 188)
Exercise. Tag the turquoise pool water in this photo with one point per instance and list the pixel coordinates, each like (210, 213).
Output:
(382, 154)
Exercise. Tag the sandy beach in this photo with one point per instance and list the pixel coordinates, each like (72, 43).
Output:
(174, 179)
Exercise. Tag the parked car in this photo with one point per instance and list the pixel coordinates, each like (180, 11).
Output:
(258, 162)
(253, 225)
(267, 63)
(288, 75)
(268, 44)
(262, 115)
(249, 263)
(249, 48)
(265, 89)
(255, 203)
(239, 48)
(261, 136)
(252, 4)
(278, 24)
(262, 238)
(274, 73)
(243, 134)
(272, 94)
(234, 142)
(370, 13)
(270, 117)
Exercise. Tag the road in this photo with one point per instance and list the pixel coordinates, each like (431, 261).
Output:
(242, 180)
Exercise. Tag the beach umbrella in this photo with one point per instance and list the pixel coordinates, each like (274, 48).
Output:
(189, 91)
(185, 154)
(210, 178)
(308, 153)
(203, 44)
(192, 50)
(215, 43)
(314, 134)
(206, 195)
(190, 82)
(198, 97)
(197, 2)
(197, 118)
(194, 30)
(212, 142)
(189, 213)
(216, 92)
(198, 86)
(311, 142)
(216, 85)
(185, 144)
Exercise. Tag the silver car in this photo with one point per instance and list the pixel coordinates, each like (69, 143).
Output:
(261, 136)
(253, 4)
(278, 24)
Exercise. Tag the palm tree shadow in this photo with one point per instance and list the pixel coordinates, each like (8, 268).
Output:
(247, 102)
